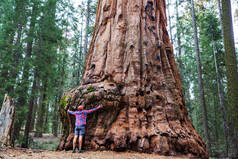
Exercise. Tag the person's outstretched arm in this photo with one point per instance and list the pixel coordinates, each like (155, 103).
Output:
(92, 110)
(71, 112)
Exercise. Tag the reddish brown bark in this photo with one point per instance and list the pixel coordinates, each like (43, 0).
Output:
(131, 70)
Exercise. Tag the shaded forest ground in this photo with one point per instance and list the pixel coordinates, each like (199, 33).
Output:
(42, 148)
(46, 154)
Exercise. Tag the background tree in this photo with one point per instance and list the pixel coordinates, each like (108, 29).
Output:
(232, 76)
(200, 79)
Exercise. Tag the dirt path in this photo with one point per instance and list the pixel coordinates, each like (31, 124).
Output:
(44, 154)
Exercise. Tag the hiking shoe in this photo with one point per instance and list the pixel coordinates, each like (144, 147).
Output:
(73, 151)
(81, 151)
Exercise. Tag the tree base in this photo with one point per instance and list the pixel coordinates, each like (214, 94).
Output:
(122, 125)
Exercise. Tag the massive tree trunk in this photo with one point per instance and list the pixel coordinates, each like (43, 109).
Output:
(130, 69)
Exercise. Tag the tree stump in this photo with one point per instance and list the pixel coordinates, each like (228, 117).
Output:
(131, 70)
(6, 121)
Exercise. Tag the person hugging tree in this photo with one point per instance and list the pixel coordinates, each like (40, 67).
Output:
(80, 124)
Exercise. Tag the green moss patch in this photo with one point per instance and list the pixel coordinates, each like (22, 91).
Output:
(90, 89)
(63, 101)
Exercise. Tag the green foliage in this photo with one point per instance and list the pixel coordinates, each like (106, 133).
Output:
(90, 89)
(38, 40)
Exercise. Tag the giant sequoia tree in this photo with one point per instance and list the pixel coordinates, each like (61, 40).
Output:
(130, 69)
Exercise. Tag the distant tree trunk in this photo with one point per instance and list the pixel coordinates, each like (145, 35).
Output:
(220, 16)
(130, 69)
(46, 117)
(232, 77)
(81, 57)
(170, 25)
(86, 27)
(16, 128)
(200, 80)
(40, 124)
(25, 77)
(6, 121)
(216, 118)
(30, 112)
(221, 99)
(55, 117)
(178, 26)
(32, 125)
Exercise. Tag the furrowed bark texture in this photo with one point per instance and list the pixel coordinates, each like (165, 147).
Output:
(130, 69)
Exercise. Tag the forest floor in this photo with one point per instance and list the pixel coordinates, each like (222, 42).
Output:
(46, 154)
(43, 148)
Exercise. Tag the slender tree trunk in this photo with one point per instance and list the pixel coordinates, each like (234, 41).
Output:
(30, 112)
(40, 124)
(221, 100)
(200, 80)
(220, 16)
(130, 69)
(55, 117)
(86, 27)
(81, 57)
(178, 26)
(33, 118)
(170, 25)
(232, 77)
(25, 79)
(46, 117)
(215, 104)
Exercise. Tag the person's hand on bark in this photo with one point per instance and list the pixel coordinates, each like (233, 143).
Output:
(100, 106)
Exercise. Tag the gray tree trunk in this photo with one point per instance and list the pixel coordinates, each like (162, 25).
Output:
(6, 121)
(200, 80)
